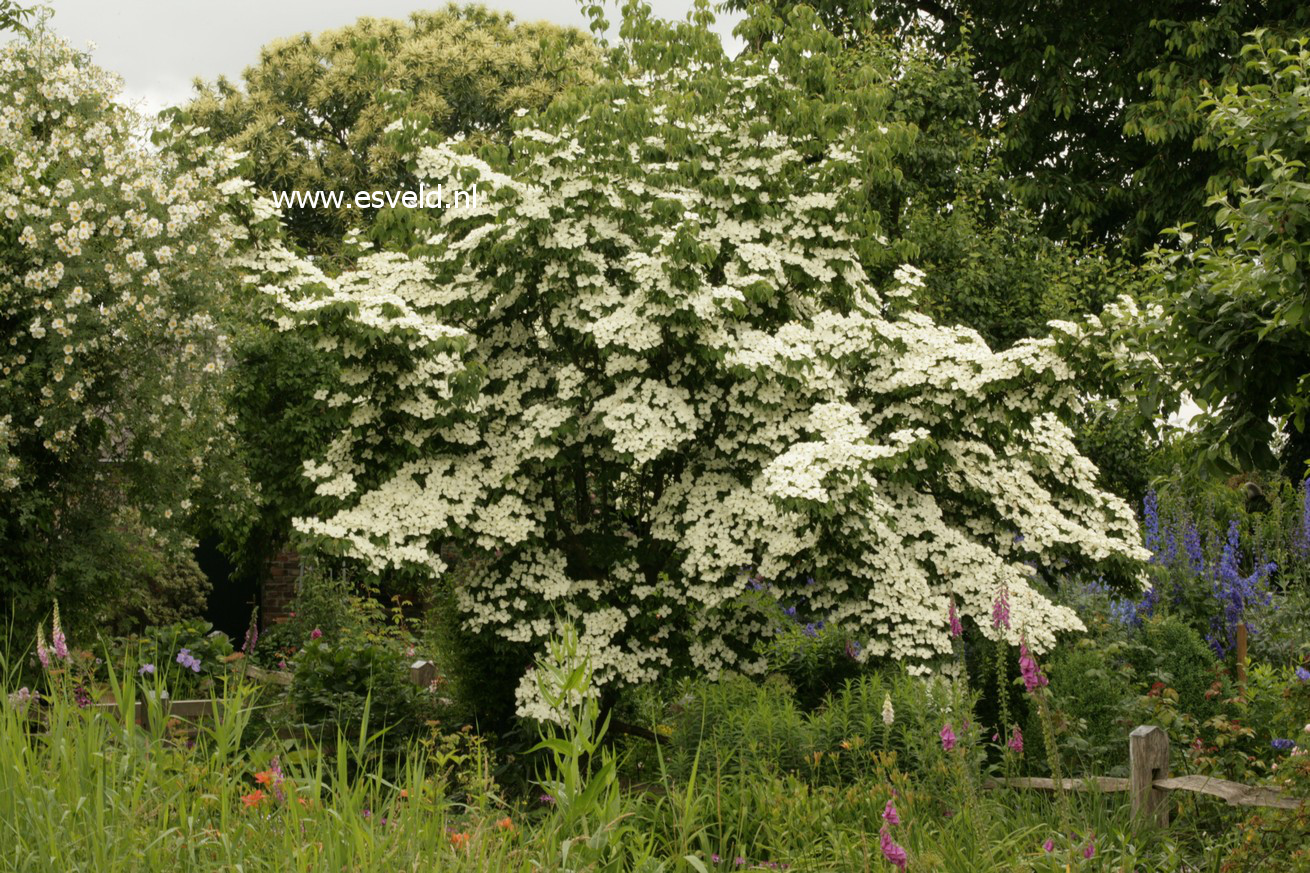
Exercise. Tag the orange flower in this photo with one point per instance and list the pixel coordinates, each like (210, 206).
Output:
(264, 777)
(404, 794)
(505, 824)
(302, 801)
(460, 840)
(253, 798)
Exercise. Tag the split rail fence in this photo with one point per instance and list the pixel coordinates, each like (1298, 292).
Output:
(1149, 781)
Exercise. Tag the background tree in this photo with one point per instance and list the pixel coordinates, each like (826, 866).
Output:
(1099, 105)
(312, 113)
(1236, 305)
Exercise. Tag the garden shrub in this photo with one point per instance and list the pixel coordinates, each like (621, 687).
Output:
(817, 658)
(1172, 652)
(334, 679)
(336, 605)
(481, 672)
(1091, 690)
(154, 586)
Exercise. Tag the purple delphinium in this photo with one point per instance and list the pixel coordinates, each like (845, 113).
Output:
(852, 650)
(1282, 744)
(1303, 674)
(1151, 525)
(188, 660)
(1235, 593)
(1131, 613)
(1192, 548)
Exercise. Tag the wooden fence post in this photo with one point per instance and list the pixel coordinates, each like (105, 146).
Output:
(1148, 760)
(421, 673)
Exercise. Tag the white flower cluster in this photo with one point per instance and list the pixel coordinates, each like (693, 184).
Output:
(651, 372)
(109, 288)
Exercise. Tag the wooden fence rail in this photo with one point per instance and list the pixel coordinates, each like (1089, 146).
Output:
(1149, 782)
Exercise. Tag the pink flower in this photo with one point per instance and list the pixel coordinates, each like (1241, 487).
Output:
(42, 652)
(1049, 845)
(1016, 740)
(892, 852)
(57, 640)
(890, 815)
(1090, 851)
(315, 634)
(956, 628)
(1033, 678)
(948, 737)
(1001, 610)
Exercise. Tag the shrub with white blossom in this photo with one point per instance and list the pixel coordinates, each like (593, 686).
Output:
(648, 387)
(112, 254)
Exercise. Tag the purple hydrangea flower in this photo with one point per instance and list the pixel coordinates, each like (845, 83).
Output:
(1282, 744)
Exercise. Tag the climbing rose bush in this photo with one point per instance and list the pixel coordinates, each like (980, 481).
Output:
(114, 263)
(647, 386)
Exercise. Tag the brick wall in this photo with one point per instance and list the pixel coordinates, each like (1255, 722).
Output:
(277, 597)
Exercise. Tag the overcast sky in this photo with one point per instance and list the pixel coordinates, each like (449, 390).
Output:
(159, 46)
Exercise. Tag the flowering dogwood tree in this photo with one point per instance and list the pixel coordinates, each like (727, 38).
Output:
(647, 385)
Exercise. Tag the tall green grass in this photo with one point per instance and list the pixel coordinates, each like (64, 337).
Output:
(86, 790)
